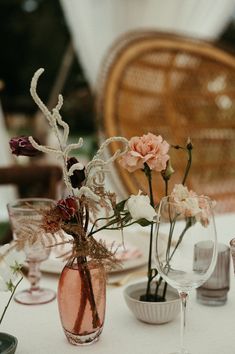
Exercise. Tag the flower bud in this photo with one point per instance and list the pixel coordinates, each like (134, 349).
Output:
(21, 146)
(78, 176)
(67, 208)
(166, 174)
(189, 144)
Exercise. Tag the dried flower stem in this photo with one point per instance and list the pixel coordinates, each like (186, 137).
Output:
(82, 306)
(95, 315)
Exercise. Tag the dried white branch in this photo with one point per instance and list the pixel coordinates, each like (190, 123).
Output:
(66, 178)
(36, 98)
(60, 103)
(88, 193)
(77, 166)
(71, 147)
(45, 149)
(108, 141)
(63, 124)
(99, 166)
(96, 169)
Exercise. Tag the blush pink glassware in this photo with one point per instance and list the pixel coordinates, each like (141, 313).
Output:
(81, 299)
(19, 211)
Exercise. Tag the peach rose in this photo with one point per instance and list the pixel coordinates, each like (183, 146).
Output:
(150, 149)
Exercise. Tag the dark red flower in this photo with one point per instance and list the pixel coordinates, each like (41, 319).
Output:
(78, 176)
(21, 146)
(67, 208)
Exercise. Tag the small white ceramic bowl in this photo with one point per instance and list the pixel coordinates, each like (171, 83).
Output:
(152, 312)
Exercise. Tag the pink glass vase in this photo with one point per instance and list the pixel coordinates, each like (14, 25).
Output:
(81, 300)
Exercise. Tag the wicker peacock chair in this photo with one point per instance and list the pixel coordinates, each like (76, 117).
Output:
(176, 87)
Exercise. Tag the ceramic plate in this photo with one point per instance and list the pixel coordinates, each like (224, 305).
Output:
(133, 255)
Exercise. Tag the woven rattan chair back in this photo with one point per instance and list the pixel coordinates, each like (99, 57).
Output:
(175, 87)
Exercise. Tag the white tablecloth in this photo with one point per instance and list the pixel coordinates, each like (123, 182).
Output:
(210, 330)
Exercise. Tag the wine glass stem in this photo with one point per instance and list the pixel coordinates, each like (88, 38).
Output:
(34, 275)
(183, 297)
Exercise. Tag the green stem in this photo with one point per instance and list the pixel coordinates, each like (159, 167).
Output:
(96, 319)
(88, 295)
(189, 163)
(164, 290)
(189, 148)
(97, 220)
(187, 226)
(150, 277)
(8, 303)
(158, 286)
(106, 226)
(148, 174)
(86, 219)
(172, 226)
(83, 301)
(166, 186)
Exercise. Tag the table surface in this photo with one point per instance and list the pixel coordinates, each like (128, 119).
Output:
(210, 330)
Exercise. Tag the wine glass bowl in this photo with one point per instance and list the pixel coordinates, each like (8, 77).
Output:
(26, 217)
(186, 223)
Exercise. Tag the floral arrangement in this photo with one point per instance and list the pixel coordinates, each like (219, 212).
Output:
(11, 262)
(150, 153)
(78, 213)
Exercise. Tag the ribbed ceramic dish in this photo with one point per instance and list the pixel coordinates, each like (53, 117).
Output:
(8, 343)
(152, 312)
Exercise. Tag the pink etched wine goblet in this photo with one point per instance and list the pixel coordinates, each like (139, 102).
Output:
(25, 218)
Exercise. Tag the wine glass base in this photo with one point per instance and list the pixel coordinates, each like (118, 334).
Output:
(36, 297)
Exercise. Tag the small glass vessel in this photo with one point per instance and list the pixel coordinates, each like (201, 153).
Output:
(187, 223)
(24, 211)
(81, 300)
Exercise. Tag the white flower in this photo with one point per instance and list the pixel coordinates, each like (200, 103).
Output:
(180, 193)
(190, 204)
(206, 206)
(139, 207)
(190, 207)
(186, 201)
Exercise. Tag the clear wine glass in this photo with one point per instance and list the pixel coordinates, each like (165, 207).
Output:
(184, 224)
(25, 218)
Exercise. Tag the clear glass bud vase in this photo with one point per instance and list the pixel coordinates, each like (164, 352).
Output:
(82, 300)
